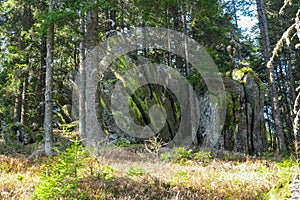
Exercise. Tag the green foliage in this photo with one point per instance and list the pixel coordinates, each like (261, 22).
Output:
(67, 128)
(178, 155)
(182, 156)
(135, 171)
(123, 142)
(239, 74)
(202, 156)
(39, 137)
(62, 175)
(106, 173)
(282, 188)
(181, 178)
(287, 163)
(4, 168)
(17, 133)
(198, 83)
(20, 177)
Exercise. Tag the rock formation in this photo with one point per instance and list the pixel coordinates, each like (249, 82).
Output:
(244, 127)
(243, 130)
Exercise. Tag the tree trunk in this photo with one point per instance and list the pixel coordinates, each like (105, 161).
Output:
(184, 27)
(91, 40)
(24, 96)
(296, 122)
(82, 97)
(18, 104)
(42, 79)
(177, 25)
(49, 87)
(263, 25)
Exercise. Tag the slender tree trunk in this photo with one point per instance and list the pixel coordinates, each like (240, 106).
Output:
(49, 87)
(235, 13)
(169, 55)
(296, 122)
(184, 27)
(24, 96)
(42, 82)
(82, 78)
(290, 82)
(91, 40)
(18, 104)
(263, 25)
(287, 103)
(177, 25)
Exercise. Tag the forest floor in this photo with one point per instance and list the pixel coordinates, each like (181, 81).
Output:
(128, 173)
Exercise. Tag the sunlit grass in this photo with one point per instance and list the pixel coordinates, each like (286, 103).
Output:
(123, 173)
(17, 178)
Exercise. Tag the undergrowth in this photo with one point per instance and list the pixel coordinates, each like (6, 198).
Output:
(182, 156)
(177, 174)
(61, 174)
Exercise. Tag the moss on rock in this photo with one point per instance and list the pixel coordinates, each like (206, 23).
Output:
(239, 75)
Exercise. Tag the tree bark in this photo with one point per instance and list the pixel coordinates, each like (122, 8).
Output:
(18, 104)
(91, 40)
(185, 31)
(82, 78)
(49, 87)
(263, 25)
(42, 82)
(296, 122)
(24, 96)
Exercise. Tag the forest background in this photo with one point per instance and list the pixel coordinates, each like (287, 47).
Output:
(44, 43)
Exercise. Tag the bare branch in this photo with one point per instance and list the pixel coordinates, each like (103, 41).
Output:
(286, 3)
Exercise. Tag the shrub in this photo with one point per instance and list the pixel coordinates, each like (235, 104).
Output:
(178, 155)
(182, 156)
(135, 171)
(62, 174)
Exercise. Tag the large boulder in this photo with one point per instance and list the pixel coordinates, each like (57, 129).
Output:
(244, 127)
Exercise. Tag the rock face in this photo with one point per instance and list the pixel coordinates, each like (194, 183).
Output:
(243, 130)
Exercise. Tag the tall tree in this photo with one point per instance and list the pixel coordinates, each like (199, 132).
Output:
(49, 85)
(82, 79)
(263, 25)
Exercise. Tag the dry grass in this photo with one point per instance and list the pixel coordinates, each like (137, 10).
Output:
(218, 179)
(17, 177)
